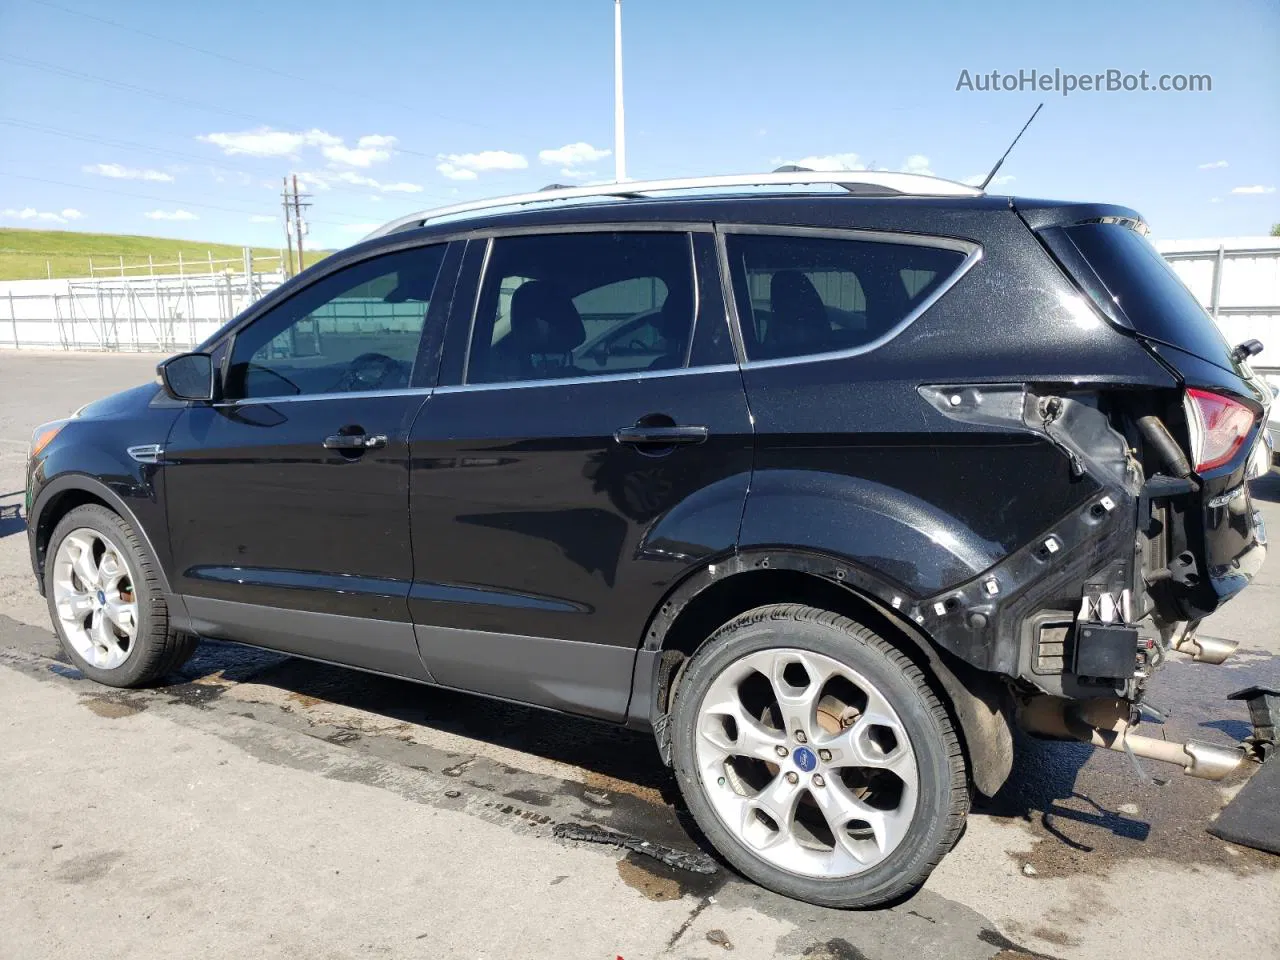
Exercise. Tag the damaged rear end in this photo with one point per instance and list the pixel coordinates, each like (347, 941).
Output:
(1165, 530)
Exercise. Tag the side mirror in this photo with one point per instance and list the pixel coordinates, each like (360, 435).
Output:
(188, 376)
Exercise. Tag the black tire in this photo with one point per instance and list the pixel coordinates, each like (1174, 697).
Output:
(157, 650)
(943, 793)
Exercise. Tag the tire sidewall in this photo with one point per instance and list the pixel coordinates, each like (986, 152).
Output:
(106, 523)
(918, 848)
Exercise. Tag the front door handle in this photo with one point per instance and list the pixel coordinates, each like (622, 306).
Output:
(660, 436)
(350, 442)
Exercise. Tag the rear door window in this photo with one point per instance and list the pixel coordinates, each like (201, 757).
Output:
(801, 295)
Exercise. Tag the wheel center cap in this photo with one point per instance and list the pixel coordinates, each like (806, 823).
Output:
(102, 598)
(804, 758)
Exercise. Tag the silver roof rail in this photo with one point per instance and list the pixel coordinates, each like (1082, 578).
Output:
(856, 181)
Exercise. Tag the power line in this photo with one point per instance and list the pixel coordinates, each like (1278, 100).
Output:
(179, 200)
(341, 186)
(259, 66)
(160, 95)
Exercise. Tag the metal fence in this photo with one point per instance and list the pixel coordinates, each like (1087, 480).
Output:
(163, 312)
(1237, 281)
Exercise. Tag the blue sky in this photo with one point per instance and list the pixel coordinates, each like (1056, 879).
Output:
(389, 107)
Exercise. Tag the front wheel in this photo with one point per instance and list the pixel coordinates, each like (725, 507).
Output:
(816, 758)
(106, 602)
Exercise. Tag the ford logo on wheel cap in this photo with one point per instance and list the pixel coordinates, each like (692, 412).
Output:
(805, 759)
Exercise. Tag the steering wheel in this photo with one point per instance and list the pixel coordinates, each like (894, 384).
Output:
(369, 371)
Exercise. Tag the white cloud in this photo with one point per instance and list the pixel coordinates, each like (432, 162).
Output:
(118, 172)
(573, 155)
(831, 161)
(263, 218)
(1214, 165)
(466, 166)
(266, 142)
(326, 179)
(917, 163)
(454, 172)
(313, 180)
(171, 215)
(350, 176)
(1215, 199)
(370, 149)
(42, 216)
(1256, 188)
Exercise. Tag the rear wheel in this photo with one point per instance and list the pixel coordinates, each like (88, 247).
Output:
(106, 603)
(816, 757)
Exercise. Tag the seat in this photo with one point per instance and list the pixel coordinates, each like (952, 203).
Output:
(799, 323)
(673, 323)
(545, 330)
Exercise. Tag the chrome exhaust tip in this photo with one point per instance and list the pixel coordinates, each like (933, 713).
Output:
(1206, 649)
(1211, 762)
(1107, 723)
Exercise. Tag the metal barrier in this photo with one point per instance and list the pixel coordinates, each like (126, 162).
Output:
(155, 313)
(1238, 282)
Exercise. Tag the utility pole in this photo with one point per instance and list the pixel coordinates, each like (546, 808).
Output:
(619, 135)
(299, 224)
(288, 229)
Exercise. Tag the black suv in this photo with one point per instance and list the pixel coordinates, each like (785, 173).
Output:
(825, 488)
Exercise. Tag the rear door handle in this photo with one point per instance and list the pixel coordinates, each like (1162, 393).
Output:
(660, 436)
(354, 441)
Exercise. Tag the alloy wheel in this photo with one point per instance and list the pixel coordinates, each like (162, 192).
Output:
(806, 762)
(94, 597)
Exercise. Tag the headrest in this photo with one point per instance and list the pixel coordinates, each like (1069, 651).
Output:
(544, 319)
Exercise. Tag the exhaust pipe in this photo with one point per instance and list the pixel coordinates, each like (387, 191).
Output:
(1107, 723)
(1205, 649)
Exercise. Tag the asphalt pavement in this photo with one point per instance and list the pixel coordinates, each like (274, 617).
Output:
(263, 806)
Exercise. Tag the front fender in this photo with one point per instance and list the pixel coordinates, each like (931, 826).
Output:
(90, 459)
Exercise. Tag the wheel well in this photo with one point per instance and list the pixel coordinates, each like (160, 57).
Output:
(61, 504)
(726, 599)
(977, 702)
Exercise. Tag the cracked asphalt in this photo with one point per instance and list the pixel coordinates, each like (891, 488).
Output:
(263, 806)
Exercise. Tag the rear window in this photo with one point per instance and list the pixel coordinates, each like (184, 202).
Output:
(1147, 292)
(799, 295)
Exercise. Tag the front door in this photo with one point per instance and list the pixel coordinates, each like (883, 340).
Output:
(288, 498)
(587, 447)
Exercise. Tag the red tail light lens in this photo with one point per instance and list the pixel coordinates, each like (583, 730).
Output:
(1219, 425)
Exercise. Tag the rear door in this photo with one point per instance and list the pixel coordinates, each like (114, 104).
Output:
(564, 477)
(288, 498)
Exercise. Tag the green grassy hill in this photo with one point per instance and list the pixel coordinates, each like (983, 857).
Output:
(29, 254)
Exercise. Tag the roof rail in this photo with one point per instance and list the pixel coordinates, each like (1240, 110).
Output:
(855, 181)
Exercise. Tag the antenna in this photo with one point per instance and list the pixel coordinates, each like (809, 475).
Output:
(619, 136)
(996, 168)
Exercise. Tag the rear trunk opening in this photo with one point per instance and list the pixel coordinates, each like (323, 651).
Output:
(1202, 540)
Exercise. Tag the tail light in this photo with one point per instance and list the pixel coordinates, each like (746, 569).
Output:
(1218, 425)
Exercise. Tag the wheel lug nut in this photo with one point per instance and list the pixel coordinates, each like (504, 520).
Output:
(800, 737)
(781, 751)
(792, 777)
(818, 781)
(824, 755)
